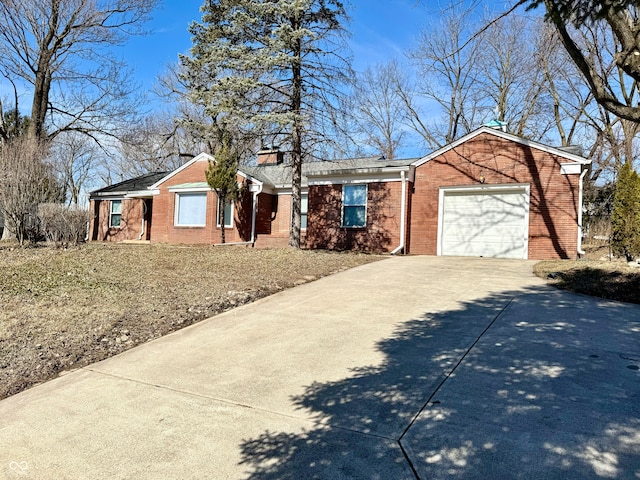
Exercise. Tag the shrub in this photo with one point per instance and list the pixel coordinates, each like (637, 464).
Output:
(625, 217)
(62, 224)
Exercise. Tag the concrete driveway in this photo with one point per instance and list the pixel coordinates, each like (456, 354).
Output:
(412, 367)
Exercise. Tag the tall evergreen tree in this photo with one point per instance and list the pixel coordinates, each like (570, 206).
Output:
(625, 217)
(269, 65)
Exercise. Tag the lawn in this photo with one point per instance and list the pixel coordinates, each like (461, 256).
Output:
(594, 275)
(64, 309)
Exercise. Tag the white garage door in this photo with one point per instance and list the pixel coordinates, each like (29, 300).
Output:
(485, 224)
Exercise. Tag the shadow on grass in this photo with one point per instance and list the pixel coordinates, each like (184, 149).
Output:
(612, 285)
(546, 391)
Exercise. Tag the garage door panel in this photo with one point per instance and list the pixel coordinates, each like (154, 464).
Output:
(489, 224)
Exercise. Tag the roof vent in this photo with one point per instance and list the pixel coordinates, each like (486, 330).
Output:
(496, 125)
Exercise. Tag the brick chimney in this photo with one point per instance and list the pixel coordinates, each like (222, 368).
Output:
(270, 156)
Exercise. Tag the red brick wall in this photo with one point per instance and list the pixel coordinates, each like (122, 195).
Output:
(130, 223)
(273, 220)
(382, 233)
(165, 231)
(553, 230)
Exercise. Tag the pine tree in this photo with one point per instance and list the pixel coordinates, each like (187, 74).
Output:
(625, 217)
(221, 177)
(269, 66)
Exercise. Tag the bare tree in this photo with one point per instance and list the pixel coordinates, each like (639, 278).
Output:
(25, 182)
(379, 108)
(621, 19)
(447, 73)
(156, 144)
(74, 159)
(509, 78)
(59, 49)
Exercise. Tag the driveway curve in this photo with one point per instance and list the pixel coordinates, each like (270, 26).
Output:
(411, 367)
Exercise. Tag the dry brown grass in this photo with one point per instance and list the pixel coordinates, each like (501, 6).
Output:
(595, 275)
(63, 309)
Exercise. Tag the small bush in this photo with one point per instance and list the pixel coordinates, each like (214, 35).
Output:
(625, 217)
(61, 224)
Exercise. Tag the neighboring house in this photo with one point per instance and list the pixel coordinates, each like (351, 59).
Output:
(489, 193)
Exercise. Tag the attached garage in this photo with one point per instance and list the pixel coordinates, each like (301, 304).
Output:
(493, 194)
(487, 221)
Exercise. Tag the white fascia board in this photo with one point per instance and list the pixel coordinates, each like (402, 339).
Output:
(203, 157)
(289, 191)
(507, 136)
(190, 189)
(139, 194)
(120, 195)
(571, 168)
(486, 188)
(359, 171)
(373, 176)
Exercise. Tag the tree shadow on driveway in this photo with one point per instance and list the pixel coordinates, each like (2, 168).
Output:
(524, 384)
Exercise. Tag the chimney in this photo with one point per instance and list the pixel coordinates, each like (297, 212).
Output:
(270, 156)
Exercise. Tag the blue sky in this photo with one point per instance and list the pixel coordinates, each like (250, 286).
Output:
(381, 30)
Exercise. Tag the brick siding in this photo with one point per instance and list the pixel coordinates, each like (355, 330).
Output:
(382, 231)
(553, 199)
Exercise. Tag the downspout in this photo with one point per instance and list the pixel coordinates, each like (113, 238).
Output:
(90, 220)
(403, 208)
(580, 195)
(144, 207)
(254, 212)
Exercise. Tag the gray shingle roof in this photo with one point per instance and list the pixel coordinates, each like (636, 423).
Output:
(276, 175)
(136, 184)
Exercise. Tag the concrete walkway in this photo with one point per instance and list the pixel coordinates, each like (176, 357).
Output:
(413, 367)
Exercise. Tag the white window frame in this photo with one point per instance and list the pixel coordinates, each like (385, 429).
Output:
(226, 225)
(112, 213)
(304, 212)
(176, 216)
(366, 198)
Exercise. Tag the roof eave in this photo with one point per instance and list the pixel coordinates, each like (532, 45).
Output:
(359, 171)
(507, 136)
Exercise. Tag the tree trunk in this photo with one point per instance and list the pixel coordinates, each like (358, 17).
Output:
(222, 201)
(296, 142)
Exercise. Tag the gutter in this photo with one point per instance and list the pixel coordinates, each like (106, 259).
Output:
(580, 195)
(403, 208)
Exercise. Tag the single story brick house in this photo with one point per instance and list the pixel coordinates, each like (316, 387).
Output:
(489, 193)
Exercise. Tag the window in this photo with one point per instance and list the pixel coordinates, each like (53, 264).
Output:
(354, 206)
(304, 207)
(228, 214)
(191, 210)
(115, 213)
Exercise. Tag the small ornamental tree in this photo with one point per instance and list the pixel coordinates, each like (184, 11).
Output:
(221, 177)
(625, 217)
